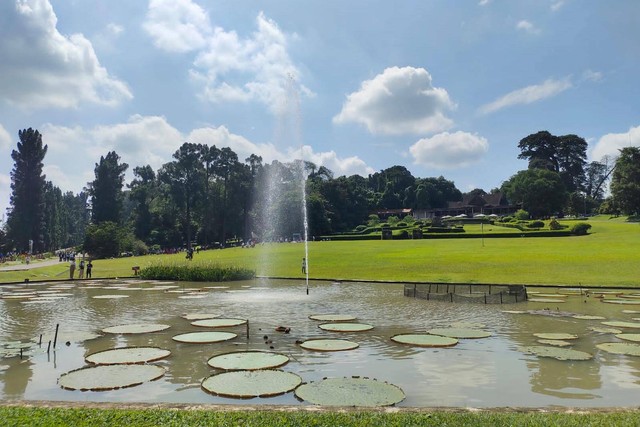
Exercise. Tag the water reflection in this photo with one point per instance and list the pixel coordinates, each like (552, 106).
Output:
(477, 372)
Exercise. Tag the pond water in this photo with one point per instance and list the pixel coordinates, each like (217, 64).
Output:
(489, 372)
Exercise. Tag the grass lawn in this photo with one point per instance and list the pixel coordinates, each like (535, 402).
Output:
(609, 256)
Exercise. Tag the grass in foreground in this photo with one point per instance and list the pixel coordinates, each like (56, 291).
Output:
(30, 416)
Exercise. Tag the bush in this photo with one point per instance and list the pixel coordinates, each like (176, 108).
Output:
(555, 225)
(196, 273)
(402, 224)
(361, 228)
(580, 229)
(536, 224)
(521, 214)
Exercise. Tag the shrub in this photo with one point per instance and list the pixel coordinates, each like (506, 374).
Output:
(580, 229)
(393, 220)
(507, 218)
(521, 214)
(196, 272)
(536, 224)
(402, 234)
(555, 225)
(361, 228)
(402, 224)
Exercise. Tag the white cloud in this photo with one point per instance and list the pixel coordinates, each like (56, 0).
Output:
(41, 68)
(449, 150)
(5, 139)
(177, 25)
(115, 29)
(528, 95)
(5, 194)
(592, 76)
(611, 143)
(484, 2)
(527, 27)
(398, 101)
(339, 166)
(557, 5)
(222, 137)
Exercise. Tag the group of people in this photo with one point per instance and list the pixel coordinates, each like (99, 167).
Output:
(81, 268)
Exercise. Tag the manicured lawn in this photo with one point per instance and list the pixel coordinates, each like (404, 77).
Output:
(29, 416)
(609, 256)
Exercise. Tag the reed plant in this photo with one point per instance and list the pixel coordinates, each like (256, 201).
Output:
(196, 272)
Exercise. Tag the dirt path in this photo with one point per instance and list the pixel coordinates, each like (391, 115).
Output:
(32, 265)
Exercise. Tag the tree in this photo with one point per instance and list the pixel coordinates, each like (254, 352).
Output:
(143, 189)
(540, 191)
(565, 155)
(106, 189)
(625, 182)
(26, 216)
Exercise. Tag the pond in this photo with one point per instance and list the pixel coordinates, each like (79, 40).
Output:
(487, 372)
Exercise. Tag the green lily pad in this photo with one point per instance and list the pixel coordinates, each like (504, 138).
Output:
(515, 311)
(604, 330)
(71, 336)
(557, 353)
(138, 328)
(555, 336)
(345, 327)
(549, 300)
(425, 340)
(219, 323)
(541, 295)
(114, 296)
(199, 316)
(629, 337)
(460, 332)
(621, 301)
(247, 360)
(247, 384)
(617, 324)
(109, 377)
(127, 355)
(359, 392)
(626, 348)
(332, 317)
(588, 317)
(329, 345)
(556, 343)
(204, 337)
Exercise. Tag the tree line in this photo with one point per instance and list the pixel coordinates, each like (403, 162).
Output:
(207, 196)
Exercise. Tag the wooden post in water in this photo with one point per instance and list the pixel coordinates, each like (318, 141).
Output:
(55, 337)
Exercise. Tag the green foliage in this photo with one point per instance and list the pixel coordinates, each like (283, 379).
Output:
(402, 224)
(521, 215)
(373, 220)
(106, 189)
(107, 239)
(393, 220)
(360, 228)
(555, 225)
(540, 191)
(198, 272)
(535, 224)
(625, 182)
(580, 229)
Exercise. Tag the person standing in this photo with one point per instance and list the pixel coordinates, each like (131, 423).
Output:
(304, 266)
(89, 267)
(81, 270)
(72, 268)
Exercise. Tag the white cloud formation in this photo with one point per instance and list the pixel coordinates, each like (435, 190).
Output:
(528, 95)
(592, 76)
(611, 143)
(42, 68)
(527, 27)
(484, 2)
(177, 25)
(557, 5)
(5, 139)
(398, 101)
(449, 150)
(339, 166)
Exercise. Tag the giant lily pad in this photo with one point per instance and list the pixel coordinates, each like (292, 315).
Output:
(626, 348)
(247, 384)
(622, 301)
(329, 345)
(112, 296)
(425, 340)
(345, 327)
(332, 317)
(603, 330)
(71, 336)
(127, 355)
(350, 392)
(199, 316)
(204, 337)
(219, 322)
(588, 317)
(629, 337)
(555, 336)
(138, 328)
(109, 377)
(617, 324)
(547, 300)
(247, 360)
(460, 333)
(557, 353)
(556, 343)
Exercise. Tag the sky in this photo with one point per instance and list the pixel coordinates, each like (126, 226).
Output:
(440, 87)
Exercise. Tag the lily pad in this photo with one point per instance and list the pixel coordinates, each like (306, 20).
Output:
(247, 360)
(199, 316)
(137, 328)
(329, 345)
(219, 323)
(109, 377)
(247, 384)
(588, 317)
(557, 353)
(555, 336)
(204, 337)
(332, 317)
(114, 296)
(460, 332)
(360, 392)
(549, 300)
(604, 330)
(71, 336)
(425, 340)
(345, 327)
(556, 343)
(629, 337)
(127, 355)
(617, 324)
(621, 301)
(626, 348)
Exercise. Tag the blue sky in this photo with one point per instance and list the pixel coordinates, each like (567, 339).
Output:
(441, 87)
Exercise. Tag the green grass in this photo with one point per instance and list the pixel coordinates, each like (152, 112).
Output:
(30, 416)
(609, 256)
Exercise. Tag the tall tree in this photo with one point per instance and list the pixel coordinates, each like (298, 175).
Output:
(106, 189)
(625, 182)
(540, 191)
(143, 189)
(226, 162)
(26, 216)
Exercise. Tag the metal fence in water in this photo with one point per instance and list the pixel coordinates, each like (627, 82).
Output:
(471, 293)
